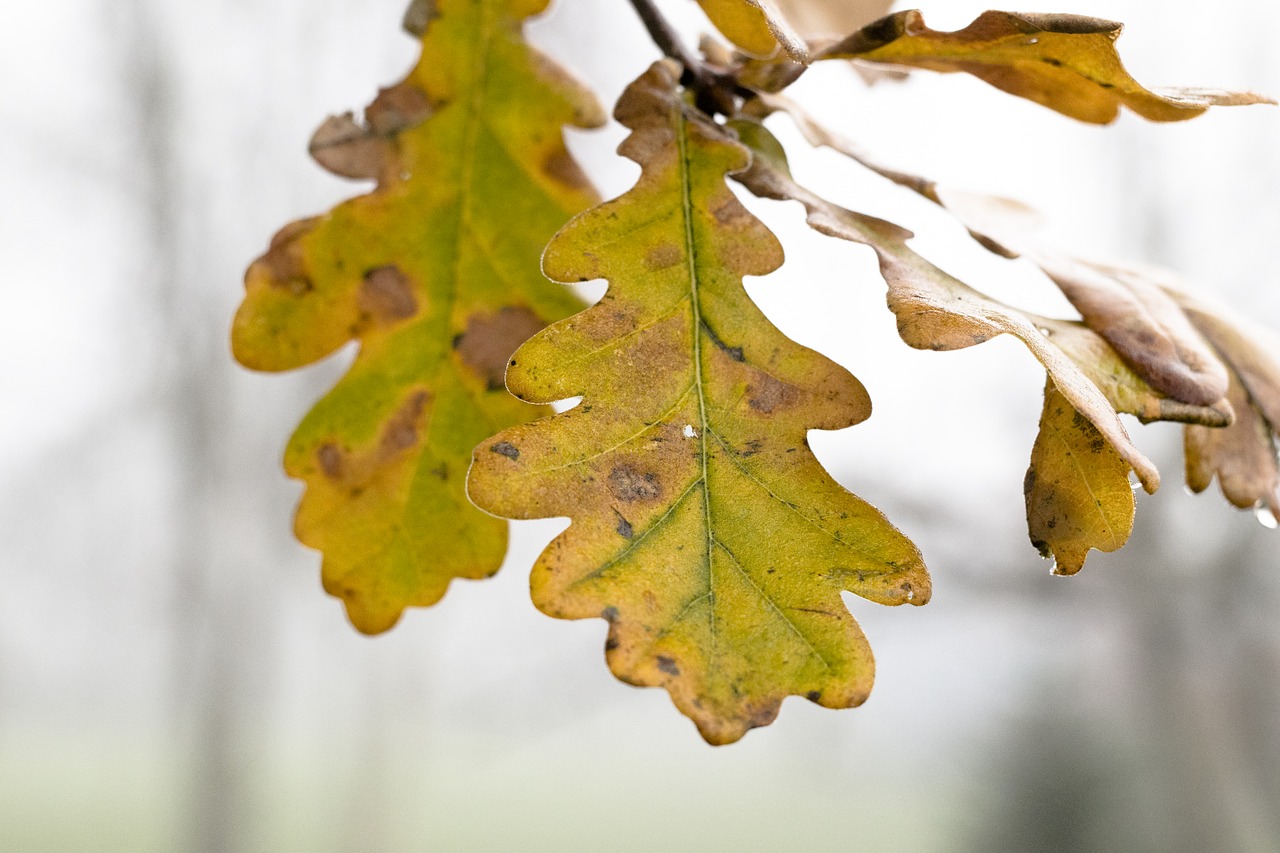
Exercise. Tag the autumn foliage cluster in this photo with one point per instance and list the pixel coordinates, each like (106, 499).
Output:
(704, 530)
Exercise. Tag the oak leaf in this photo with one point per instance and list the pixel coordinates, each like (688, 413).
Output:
(435, 274)
(1077, 488)
(703, 528)
(1067, 63)
(757, 27)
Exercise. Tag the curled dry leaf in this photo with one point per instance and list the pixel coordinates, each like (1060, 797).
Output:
(435, 274)
(1077, 488)
(1067, 63)
(703, 528)
(757, 27)
(937, 311)
(1244, 456)
(1140, 320)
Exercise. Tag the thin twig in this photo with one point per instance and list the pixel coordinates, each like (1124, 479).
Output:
(714, 91)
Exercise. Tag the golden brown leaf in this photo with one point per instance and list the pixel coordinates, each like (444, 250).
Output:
(1065, 62)
(703, 528)
(1077, 488)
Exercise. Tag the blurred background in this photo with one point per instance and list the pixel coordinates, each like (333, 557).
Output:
(172, 678)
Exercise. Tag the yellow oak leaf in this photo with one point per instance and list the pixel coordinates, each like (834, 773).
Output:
(1077, 488)
(1067, 63)
(758, 27)
(435, 273)
(703, 528)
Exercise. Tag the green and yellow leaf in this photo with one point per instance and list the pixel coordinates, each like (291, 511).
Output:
(757, 27)
(1067, 63)
(435, 273)
(1077, 488)
(703, 528)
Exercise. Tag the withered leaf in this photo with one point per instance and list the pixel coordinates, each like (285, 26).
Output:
(1065, 62)
(937, 311)
(435, 273)
(703, 528)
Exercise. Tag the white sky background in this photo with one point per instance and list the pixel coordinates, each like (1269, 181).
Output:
(163, 641)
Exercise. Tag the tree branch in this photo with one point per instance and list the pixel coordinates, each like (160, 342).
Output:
(714, 91)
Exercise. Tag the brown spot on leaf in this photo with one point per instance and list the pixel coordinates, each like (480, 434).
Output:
(628, 484)
(625, 529)
(387, 295)
(609, 614)
(563, 169)
(346, 149)
(490, 339)
(329, 455)
(814, 695)
(505, 448)
(730, 212)
(767, 394)
(662, 256)
(283, 263)
(668, 665)
(398, 108)
(402, 430)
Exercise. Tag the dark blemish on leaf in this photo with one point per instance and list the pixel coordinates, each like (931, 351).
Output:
(1029, 481)
(668, 665)
(734, 353)
(1080, 422)
(791, 450)
(730, 212)
(283, 262)
(1107, 85)
(813, 695)
(1098, 445)
(505, 448)
(397, 108)
(610, 644)
(1051, 523)
(490, 339)
(345, 148)
(609, 614)
(752, 448)
(563, 169)
(1049, 60)
(662, 256)
(401, 431)
(386, 294)
(442, 472)
(766, 394)
(624, 528)
(628, 484)
(330, 458)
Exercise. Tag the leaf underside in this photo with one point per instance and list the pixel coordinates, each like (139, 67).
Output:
(1067, 63)
(703, 528)
(435, 274)
(758, 27)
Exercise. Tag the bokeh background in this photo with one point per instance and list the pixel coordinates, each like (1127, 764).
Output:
(172, 678)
